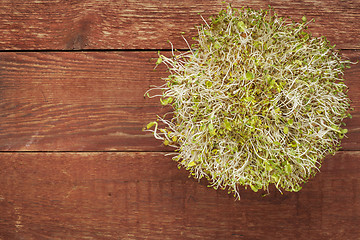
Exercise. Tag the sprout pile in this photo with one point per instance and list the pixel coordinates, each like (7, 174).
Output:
(256, 101)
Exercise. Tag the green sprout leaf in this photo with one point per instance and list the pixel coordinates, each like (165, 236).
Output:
(150, 125)
(159, 60)
(217, 45)
(241, 26)
(253, 188)
(211, 129)
(227, 125)
(249, 76)
(166, 101)
(288, 169)
(191, 164)
(286, 130)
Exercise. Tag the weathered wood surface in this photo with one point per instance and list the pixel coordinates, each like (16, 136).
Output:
(93, 101)
(145, 196)
(147, 24)
(107, 179)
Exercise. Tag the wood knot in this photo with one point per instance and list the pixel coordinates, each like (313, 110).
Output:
(78, 37)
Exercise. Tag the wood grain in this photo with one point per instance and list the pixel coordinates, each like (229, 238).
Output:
(145, 196)
(93, 101)
(146, 24)
(79, 109)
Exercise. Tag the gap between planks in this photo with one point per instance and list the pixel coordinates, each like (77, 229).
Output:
(95, 101)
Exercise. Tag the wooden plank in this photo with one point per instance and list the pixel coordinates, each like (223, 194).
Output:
(84, 101)
(144, 195)
(146, 24)
(93, 101)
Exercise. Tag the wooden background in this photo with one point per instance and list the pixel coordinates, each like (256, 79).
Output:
(74, 163)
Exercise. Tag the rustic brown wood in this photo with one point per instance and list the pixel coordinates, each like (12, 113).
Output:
(144, 195)
(93, 101)
(85, 101)
(72, 102)
(149, 24)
